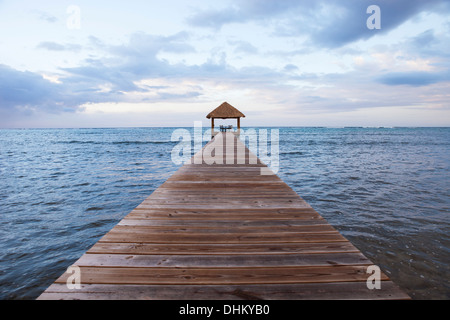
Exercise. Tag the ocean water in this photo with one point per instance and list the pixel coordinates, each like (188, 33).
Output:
(385, 189)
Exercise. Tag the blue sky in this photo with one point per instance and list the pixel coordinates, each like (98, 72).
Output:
(282, 63)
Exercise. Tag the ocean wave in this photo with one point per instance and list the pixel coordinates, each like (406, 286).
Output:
(143, 142)
(292, 153)
(115, 142)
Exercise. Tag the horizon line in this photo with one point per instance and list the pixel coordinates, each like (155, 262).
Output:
(287, 126)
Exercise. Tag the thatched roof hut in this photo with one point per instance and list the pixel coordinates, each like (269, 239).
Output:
(225, 111)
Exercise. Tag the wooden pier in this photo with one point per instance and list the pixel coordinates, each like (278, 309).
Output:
(223, 231)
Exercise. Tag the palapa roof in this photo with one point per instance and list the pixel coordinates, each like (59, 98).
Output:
(224, 111)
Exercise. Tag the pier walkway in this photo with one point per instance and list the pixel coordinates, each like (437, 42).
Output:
(223, 231)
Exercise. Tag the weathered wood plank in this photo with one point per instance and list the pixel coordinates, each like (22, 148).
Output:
(163, 213)
(208, 276)
(117, 236)
(221, 261)
(175, 230)
(308, 291)
(226, 249)
(222, 223)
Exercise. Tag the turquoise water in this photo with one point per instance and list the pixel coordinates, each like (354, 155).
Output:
(385, 189)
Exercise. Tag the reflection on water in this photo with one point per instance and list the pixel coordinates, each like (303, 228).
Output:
(386, 190)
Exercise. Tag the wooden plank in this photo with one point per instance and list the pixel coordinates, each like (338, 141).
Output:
(222, 223)
(221, 261)
(289, 212)
(219, 205)
(221, 214)
(208, 276)
(226, 249)
(305, 291)
(117, 236)
(183, 229)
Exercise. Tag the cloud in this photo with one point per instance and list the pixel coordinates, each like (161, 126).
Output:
(53, 46)
(428, 44)
(216, 19)
(413, 78)
(425, 39)
(330, 24)
(47, 17)
(141, 43)
(142, 57)
(343, 93)
(24, 92)
(290, 67)
(113, 79)
(244, 11)
(244, 47)
(348, 24)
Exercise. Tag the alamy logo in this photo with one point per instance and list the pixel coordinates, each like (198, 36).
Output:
(190, 149)
(374, 21)
(73, 21)
(374, 280)
(74, 280)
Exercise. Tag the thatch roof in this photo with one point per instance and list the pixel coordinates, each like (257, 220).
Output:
(224, 111)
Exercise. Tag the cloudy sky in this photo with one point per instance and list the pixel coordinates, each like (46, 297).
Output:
(169, 63)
